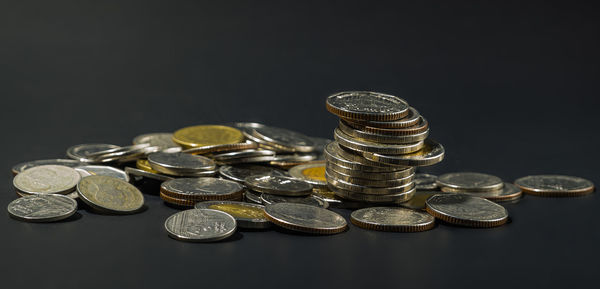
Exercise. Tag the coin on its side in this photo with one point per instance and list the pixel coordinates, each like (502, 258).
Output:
(143, 164)
(247, 215)
(313, 173)
(62, 162)
(335, 154)
(105, 171)
(470, 182)
(431, 153)
(392, 219)
(555, 185)
(221, 148)
(162, 140)
(239, 172)
(81, 152)
(466, 210)
(425, 181)
(278, 185)
(200, 225)
(110, 194)
(310, 200)
(252, 197)
(366, 105)
(47, 179)
(206, 135)
(42, 208)
(391, 198)
(419, 127)
(383, 138)
(201, 189)
(305, 218)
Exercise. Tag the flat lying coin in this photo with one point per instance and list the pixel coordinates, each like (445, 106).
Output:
(42, 208)
(180, 164)
(278, 185)
(465, 210)
(555, 185)
(249, 216)
(284, 138)
(146, 174)
(162, 140)
(239, 172)
(470, 182)
(206, 135)
(305, 218)
(432, 153)
(362, 145)
(47, 179)
(313, 174)
(105, 171)
(110, 194)
(310, 200)
(508, 192)
(200, 225)
(411, 119)
(201, 189)
(62, 162)
(81, 152)
(366, 105)
(425, 181)
(392, 219)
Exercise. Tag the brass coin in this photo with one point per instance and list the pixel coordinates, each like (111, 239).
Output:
(311, 173)
(362, 145)
(207, 135)
(221, 148)
(411, 119)
(465, 210)
(392, 219)
(555, 185)
(143, 164)
(110, 194)
(431, 153)
(367, 105)
(381, 138)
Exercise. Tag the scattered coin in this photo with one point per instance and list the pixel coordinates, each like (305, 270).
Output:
(201, 189)
(284, 139)
(42, 208)
(252, 197)
(143, 164)
(305, 218)
(249, 216)
(146, 174)
(245, 156)
(105, 171)
(81, 152)
(181, 164)
(425, 181)
(200, 225)
(207, 135)
(333, 154)
(162, 140)
(417, 202)
(366, 105)
(555, 185)
(470, 182)
(27, 165)
(508, 192)
(392, 219)
(278, 185)
(110, 194)
(47, 179)
(309, 200)
(465, 210)
(241, 171)
(221, 148)
(313, 174)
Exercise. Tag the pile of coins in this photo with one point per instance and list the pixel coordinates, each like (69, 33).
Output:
(379, 141)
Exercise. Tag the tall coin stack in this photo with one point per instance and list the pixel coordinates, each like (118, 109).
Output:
(378, 143)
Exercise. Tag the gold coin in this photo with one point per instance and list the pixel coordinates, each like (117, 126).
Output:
(240, 211)
(313, 173)
(143, 164)
(221, 148)
(207, 135)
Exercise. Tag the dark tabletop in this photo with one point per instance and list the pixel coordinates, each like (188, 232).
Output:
(509, 89)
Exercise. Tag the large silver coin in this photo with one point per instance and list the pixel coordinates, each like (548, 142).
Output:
(110, 194)
(310, 200)
(470, 182)
(380, 138)
(42, 208)
(465, 210)
(163, 140)
(47, 179)
(145, 174)
(555, 185)
(200, 225)
(62, 162)
(366, 105)
(305, 218)
(392, 219)
(375, 147)
(247, 215)
(180, 164)
(239, 172)
(278, 185)
(199, 189)
(81, 152)
(281, 137)
(425, 181)
(105, 171)
(432, 153)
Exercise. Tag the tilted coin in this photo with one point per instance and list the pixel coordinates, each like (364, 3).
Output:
(163, 140)
(110, 194)
(366, 105)
(470, 182)
(431, 153)
(278, 185)
(411, 119)
(391, 198)
(382, 138)
(362, 189)
(421, 126)
(81, 152)
(371, 175)
(284, 138)
(206, 135)
(47, 179)
(310, 200)
(146, 174)
(250, 216)
(392, 219)
(252, 197)
(465, 210)
(417, 202)
(42, 208)
(105, 171)
(335, 154)
(305, 218)
(118, 151)
(220, 148)
(243, 154)
(143, 164)
(555, 185)
(296, 157)
(247, 129)
(425, 181)
(508, 192)
(375, 147)
(200, 225)
(311, 173)
(180, 164)
(368, 182)
(27, 165)
(239, 172)
(201, 189)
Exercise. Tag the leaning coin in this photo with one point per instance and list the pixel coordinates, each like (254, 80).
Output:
(47, 179)
(555, 185)
(201, 189)
(200, 225)
(27, 165)
(392, 219)
(411, 119)
(425, 181)
(146, 174)
(278, 185)
(366, 105)
(432, 153)
(361, 145)
(311, 173)
(305, 218)
(247, 215)
(284, 138)
(251, 153)
(105, 171)
(310, 200)
(470, 182)
(81, 152)
(508, 192)
(163, 140)
(205, 135)
(180, 164)
(239, 172)
(221, 148)
(110, 194)
(42, 208)
(465, 210)
(143, 164)
(252, 197)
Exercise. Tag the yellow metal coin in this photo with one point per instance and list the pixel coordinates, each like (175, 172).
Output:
(239, 211)
(143, 164)
(313, 173)
(249, 216)
(207, 135)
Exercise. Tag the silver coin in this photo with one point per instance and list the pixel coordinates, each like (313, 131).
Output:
(368, 182)
(362, 189)
(370, 175)
(200, 225)
(190, 188)
(305, 218)
(252, 197)
(432, 153)
(310, 200)
(47, 179)
(380, 138)
(280, 137)
(417, 202)
(42, 208)
(358, 144)
(367, 105)
(105, 171)
(470, 182)
(508, 192)
(412, 118)
(555, 185)
(278, 185)
(243, 154)
(180, 163)
(391, 198)
(110, 194)
(247, 129)
(333, 154)
(392, 219)
(247, 215)
(62, 162)
(310, 173)
(141, 173)
(163, 140)
(425, 181)
(73, 195)
(465, 210)
(81, 152)
(124, 154)
(304, 157)
(118, 151)
(239, 172)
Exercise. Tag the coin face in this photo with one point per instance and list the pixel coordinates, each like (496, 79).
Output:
(206, 135)
(179, 163)
(247, 215)
(201, 189)
(366, 105)
(311, 173)
(239, 172)
(162, 140)
(555, 185)
(310, 200)
(105, 171)
(425, 181)
(431, 153)
(27, 165)
(465, 210)
(305, 218)
(110, 194)
(200, 225)
(42, 208)
(47, 179)
(470, 182)
(392, 219)
(81, 152)
(278, 185)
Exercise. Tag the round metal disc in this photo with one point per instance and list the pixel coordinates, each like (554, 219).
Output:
(42, 208)
(205, 135)
(382, 138)
(470, 182)
(239, 172)
(366, 105)
(281, 137)
(81, 152)
(311, 173)
(110, 194)
(278, 185)
(310, 200)
(508, 192)
(247, 215)
(362, 145)
(146, 174)
(465, 210)
(62, 162)
(180, 163)
(47, 179)
(555, 185)
(305, 218)
(392, 219)
(163, 140)
(200, 225)
(411, 119)
(431, 153)
(201, 189)
(105, 171)
(425, 181)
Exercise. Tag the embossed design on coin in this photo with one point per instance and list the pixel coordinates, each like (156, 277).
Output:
(305, 218)
(285, 138)
(278, 185)
(465, 210)
(311, 173)
(62, 162)
(239, 172)
(47, 179)
(110, 194)
(162, 140)
(555, 185)
(105, 171)
(392, 219)
(206, 135)
(81, 152)
(200, 225)
(247, 215)
(201, 189)
(42, 208)
(425, 181)
(366, 105)
(470, 182)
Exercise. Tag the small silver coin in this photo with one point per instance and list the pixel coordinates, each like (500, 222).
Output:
(252, 197)
(425, 181)
(239, 172)
(431, 153)
(367, 105)
(392, 219)
(42, 208)
(180, 164)
(200, 225)
(470, 182)
(145, 174)
(105, 171)
(62, 162)
(163, 140)
(47, 179)
(201, 188)
(310, 200)
(81, 152)
(278, 185)
(305, 218)
(281, 137)
(465, 210)
(247, 215)
(555, 185)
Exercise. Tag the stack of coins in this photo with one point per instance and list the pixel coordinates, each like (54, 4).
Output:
(479, 185)
(378, 142)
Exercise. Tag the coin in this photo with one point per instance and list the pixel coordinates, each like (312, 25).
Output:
(105, 171)
(370, 175)
(247, 129)
(42, 208)
(465, 210)
(239, 172)
(252, 197)
(110, 194)
(284, 138)
(425, 181)
(432, 153)
(249, 216)
(252, 153)
(278, 185)
(163, 140)
(362, 189)
(47, 179)
(310, 200)
(118, 151)
(146, 174)
(369, 183)
(206, 135)
(27, 165)
(313, 174)
(220, 148)
(333, 154)
(382, 138)
(362, 145)
(366, 105)
(411, 119)
(391, 198)
(555, 185)
(296, 157)
(470, 182)
(143, 164)
(392, 219)
(421, 126)
(180, 164)
(417, 202)
(305, 218)
(200, 225)
(201, 189)
(508, 192)
(82, 151)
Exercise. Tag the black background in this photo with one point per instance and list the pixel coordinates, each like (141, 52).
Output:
(509, 89)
